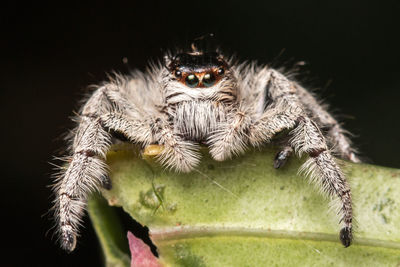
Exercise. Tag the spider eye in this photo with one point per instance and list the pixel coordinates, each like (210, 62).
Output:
(221, 71)
(178, 73)
(208, 79)
(192, 80)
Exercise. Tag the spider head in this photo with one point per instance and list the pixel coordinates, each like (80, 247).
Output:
(198, 69)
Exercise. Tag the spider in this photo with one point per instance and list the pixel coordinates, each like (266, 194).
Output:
(201, 97)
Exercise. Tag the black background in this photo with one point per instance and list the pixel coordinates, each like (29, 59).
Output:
(49, 54)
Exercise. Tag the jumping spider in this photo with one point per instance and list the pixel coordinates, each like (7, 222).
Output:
(201, 97)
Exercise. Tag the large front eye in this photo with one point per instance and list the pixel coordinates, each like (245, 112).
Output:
(208, 79)
(192, 80)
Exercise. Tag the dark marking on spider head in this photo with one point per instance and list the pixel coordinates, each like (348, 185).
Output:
(198, 69)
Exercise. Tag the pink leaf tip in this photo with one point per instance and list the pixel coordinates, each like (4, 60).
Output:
(141, 255)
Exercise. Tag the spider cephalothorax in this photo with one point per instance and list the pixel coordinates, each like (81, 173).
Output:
(197, 98)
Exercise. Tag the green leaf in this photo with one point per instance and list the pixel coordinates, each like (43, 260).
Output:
(243, 212)
(109, 231)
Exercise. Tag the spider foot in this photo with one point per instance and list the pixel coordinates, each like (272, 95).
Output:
(282, 157)
(106, 182)
(346, 236)
(68, 242)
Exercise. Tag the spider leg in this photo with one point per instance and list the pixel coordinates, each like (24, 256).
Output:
(135, 130)
(230, 138)
(287, 112)
(86, 170)
(85, 173)
(324, 171)
(282, 156)
(177, 153)
(343, 143)
(242, 126)
(336, 134)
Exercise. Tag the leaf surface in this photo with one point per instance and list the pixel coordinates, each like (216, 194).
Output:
(243, 212)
